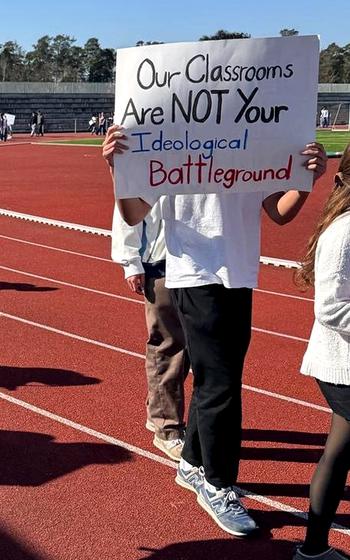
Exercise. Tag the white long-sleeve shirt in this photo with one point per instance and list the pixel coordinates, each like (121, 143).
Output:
(328, 353)
(134, 245)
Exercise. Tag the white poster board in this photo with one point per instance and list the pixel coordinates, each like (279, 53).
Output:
(216, 116)
(10, 119)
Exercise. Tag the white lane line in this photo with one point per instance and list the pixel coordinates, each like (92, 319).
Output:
(152, 456)
(55, 248)
(23, 272)
(288, 399)
(56, 223)
(287, 509)
(66, 143)
(10, 143)
(71, 335)
(281, 335)
(280, 294)
(142, 356)
(86, 430)
(116, 296)
(282, 263)
(69, 285)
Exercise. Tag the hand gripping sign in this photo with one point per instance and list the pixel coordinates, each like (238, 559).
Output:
(216, 116)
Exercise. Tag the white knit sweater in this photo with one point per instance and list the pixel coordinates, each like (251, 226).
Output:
(328, 353)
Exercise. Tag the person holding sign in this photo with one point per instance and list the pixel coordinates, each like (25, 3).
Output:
(213, 249)
(141, 252)
(327, 268)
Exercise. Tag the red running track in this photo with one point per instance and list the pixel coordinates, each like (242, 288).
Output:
(70, 183)
(80, 478)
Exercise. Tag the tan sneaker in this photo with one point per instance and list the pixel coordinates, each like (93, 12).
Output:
(171, 447)
(150, 426)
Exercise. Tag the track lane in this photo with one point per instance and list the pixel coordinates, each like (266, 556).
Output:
(259, 463)
(55, 309)
(268, 363)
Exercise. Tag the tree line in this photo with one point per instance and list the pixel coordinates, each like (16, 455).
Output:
(59, 59)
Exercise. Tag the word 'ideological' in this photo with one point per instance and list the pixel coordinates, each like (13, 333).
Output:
(147, 143)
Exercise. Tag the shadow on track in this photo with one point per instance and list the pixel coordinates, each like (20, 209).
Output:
(21, 287)
(32, 459)
(12, 549)
(222, 549)
(285, 436)
(13, 377)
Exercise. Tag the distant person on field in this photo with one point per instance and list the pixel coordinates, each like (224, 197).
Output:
(92, 124)
(33, 123)
(10, 131)
(324, 117)
(3, 127)
(327, 268)
(110, 120)
(102, 124)
(40, 124)
(141, 251)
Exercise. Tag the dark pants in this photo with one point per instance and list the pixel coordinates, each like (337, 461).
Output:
(217, 325)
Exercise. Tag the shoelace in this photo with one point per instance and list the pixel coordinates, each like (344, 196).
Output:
(232, 502)
(174, 443)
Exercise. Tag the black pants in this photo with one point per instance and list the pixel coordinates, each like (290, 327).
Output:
(217, 325)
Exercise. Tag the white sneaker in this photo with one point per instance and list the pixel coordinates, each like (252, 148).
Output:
(171, 447)
(150, 426)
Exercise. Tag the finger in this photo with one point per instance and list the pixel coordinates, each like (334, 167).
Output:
(316, 168)
(107, 154)
(119, 134)
(115, 147)
(316, 160)
(314, 151)
(114, 144)
(119, 144)
(317, 144)
(114, 128)
(312, 160)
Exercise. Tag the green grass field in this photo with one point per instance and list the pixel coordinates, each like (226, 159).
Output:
(333, 141)
(79, 141)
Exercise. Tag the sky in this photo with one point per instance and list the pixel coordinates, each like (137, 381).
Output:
(120, 24)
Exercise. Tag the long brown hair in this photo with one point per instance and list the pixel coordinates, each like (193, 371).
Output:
(337, 203)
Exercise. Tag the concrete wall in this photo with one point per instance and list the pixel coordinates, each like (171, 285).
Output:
(66, 106)
(336, 97)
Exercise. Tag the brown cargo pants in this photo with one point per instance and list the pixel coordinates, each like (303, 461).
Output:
(167, 362)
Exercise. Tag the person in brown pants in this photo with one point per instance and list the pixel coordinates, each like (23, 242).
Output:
(141, 251)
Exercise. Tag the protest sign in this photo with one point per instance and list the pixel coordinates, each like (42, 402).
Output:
(216, 116)
(10, 119)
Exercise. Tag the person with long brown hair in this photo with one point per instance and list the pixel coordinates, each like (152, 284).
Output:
(327, 267)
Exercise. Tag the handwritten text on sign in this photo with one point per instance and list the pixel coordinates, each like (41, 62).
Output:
(202, 117)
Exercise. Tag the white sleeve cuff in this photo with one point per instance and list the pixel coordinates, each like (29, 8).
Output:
(132, 269)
